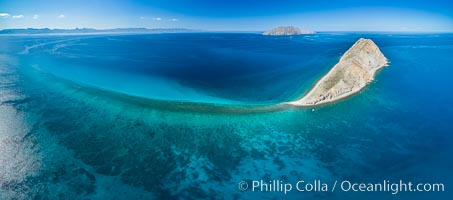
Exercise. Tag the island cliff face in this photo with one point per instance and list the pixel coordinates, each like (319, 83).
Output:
(352, 73)
(287, 30)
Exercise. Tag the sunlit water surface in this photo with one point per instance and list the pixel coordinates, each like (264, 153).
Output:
(109, 116)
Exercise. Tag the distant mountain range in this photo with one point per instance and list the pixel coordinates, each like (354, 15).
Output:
(90, 30)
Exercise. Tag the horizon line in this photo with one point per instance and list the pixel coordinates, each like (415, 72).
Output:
(226, 30)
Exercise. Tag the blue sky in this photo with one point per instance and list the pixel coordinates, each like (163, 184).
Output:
(231, 15)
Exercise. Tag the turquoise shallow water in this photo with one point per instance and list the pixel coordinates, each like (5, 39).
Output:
(69, 128)
(211, 68)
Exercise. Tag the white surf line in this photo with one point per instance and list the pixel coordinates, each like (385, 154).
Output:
(28, 48)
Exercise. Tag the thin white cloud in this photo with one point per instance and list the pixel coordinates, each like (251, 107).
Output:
(142, 17)
(157, 18)
(35, 16)
(174, 20)
(18, 16)
(61, 16)
(4, 15)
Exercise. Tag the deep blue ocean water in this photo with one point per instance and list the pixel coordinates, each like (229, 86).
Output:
(177, 116)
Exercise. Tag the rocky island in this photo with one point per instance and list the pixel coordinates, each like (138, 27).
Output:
(352, 73)
(287, 30)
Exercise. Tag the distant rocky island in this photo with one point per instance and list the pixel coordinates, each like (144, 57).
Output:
(352, 73)
(90, 30)
(287, 30)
